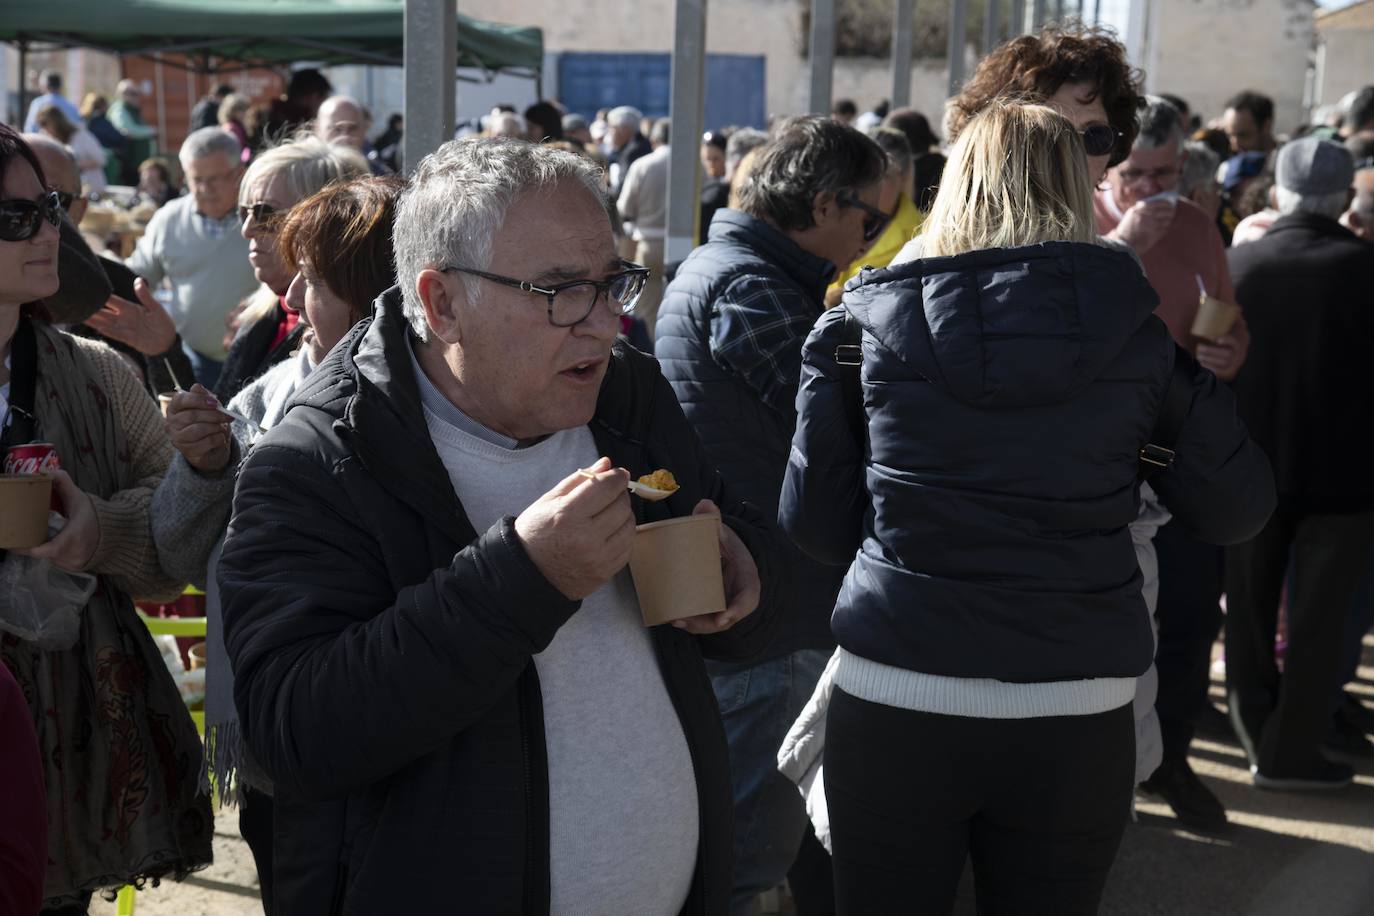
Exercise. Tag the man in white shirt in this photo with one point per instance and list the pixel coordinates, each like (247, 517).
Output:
(194, 243)
(643, 206)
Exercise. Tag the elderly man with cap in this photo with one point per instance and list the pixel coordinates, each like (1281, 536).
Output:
(1306, 397)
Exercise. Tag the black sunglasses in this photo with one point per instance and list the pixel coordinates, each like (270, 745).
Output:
(20, 220)
(874, 222)
(263, 214)
(1099, 139)
(570, 303)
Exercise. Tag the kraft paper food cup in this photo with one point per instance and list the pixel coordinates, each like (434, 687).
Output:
(24, 502)
(1215, 318)
(675, 565)
(197, 656)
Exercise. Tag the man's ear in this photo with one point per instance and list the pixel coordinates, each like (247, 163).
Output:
(443, 311)
(822, 206)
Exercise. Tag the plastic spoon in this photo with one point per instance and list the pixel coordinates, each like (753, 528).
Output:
(644, 492)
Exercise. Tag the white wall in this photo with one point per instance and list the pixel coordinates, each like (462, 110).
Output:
(1348, 63)
(1208, 50)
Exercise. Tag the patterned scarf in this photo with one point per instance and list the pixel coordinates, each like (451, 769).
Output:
(120, 753)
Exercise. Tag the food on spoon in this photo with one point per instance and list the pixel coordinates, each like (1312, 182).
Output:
(660, 480)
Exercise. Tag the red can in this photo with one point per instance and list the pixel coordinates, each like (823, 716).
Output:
(34, 458)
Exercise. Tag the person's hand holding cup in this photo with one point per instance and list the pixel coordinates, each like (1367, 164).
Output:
(198, 428)
(579, 534)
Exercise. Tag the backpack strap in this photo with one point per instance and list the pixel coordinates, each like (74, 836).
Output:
(849, 355)
(1158, 453)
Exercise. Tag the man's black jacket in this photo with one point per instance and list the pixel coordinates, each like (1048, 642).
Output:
(1307, 290)
(382, 647)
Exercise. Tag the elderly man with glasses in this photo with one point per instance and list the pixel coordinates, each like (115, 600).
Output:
(194, 243)
(438, 651)
(730, 334)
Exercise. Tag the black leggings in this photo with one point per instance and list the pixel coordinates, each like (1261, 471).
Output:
(1040, 805)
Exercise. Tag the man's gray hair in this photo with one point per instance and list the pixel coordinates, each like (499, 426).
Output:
(1331, 205)
(1160, 123)
(207, 142)
(741, 143)
(1199, 169)
(624, 116)
(457, 201)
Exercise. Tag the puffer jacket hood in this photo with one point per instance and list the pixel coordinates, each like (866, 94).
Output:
(1007, 327)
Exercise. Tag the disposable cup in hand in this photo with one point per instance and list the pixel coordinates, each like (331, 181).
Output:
(675, 565)
(1215, 318)
(24, 500)
(164, 401)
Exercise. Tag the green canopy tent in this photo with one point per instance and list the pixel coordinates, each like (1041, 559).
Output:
(237, 34)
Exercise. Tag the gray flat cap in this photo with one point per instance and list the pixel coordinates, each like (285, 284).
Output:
(1311, 167)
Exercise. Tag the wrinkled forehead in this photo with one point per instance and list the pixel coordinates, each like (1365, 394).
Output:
(562, 233)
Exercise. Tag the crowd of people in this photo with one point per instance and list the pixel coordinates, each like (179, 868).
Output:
(990, 425)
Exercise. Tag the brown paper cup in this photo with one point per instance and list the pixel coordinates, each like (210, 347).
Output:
(676, 568)
(164, 401)
(24, 502)
(1215, 318)
(197, 656)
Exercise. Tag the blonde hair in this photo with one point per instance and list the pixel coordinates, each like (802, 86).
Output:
(1017, 176)
(232, 108)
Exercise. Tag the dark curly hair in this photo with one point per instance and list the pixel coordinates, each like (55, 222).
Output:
(1036, 66)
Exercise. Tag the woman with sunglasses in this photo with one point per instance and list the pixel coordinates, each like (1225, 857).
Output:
(120, 753)
(268, 329)
(339, 242)
(991, 624)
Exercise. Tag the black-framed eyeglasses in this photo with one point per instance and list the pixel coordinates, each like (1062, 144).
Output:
(265, 215)
(65, 198)
(1099, 139)
(20, 220)
(570, 303)
(875, 220)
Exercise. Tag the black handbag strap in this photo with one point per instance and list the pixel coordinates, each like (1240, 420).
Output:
(849, 355)
(23, 381)
(1158, 453)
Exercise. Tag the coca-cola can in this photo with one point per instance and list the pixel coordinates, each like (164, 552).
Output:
(33, 458)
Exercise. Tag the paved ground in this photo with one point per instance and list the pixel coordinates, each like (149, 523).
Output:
(1285, 855)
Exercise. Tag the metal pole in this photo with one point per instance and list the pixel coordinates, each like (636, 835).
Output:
(431, 58)
(1097, 12)
(1017, 26)
(901, 53)
(1038, 12)
(23, 114)
(957, 37)
(1058, 10)
(991, 32)
(688, 101)
(163, 141)
(822, 55)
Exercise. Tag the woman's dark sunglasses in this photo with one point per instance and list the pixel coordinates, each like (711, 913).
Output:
(263, 214)
(20, 220)
(1098, 139)
(874, 222)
